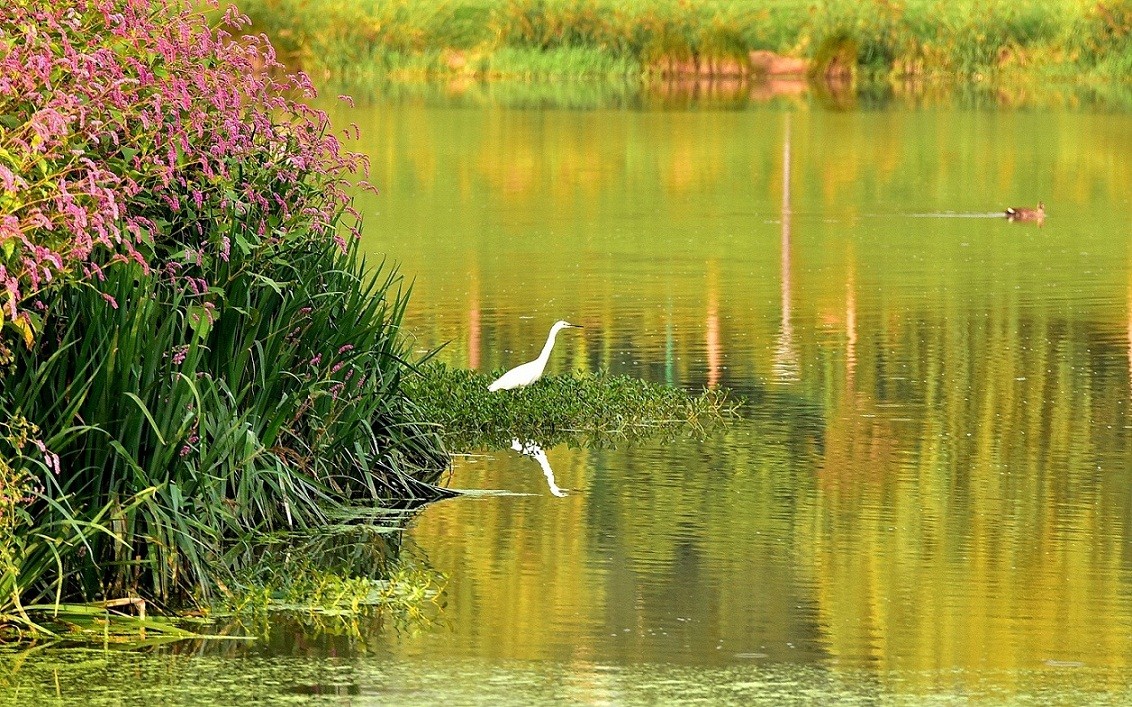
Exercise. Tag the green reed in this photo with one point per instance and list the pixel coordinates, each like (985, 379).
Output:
(529, 37)
(564, 62)
(190, 424)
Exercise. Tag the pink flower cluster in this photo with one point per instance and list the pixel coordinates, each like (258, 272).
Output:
(132, 130)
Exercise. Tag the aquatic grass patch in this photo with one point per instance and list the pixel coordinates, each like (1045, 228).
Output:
(592, 409)
(121, 623)
(320, 600)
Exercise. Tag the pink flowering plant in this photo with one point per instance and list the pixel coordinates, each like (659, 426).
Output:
(132, 130)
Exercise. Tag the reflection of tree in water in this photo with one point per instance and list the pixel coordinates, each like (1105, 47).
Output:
(785, 357)
(597, 170)
(702, 532)
(701, 94)
(978, 467)
(712, 345)
(937, 457)
(963, 467)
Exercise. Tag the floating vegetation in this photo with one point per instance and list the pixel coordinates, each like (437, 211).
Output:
(320, 601)
(122, 623)
(592, 409)
(333, 580)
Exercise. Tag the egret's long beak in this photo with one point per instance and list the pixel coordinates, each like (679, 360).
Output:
(576, 326)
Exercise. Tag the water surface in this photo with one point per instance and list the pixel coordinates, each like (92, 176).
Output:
(930, 496)
(935, 472)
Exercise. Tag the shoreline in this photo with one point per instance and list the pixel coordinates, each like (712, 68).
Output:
(732, 94)
(639, 41)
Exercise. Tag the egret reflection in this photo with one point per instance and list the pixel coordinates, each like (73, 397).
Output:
(535, 452)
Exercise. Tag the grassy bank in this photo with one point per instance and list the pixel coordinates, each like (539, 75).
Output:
(193, 358)
(588, 38)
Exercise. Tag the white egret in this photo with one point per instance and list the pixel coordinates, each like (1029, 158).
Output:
(531, 371)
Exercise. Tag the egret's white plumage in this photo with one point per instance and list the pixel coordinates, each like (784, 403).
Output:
(531, 371)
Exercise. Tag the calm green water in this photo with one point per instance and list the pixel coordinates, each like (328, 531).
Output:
(930, 499)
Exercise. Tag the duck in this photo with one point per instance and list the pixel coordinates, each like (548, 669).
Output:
(1022, 213)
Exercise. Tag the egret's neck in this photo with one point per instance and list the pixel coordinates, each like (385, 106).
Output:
(545, 355)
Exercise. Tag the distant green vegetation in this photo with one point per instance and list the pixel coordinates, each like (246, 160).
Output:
(595, 409)
(631, 38)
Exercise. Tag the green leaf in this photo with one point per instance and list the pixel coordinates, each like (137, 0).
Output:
(243, 244)
(200, 319)
(269, 282)
(148, 416)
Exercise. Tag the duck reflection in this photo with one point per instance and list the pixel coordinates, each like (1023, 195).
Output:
(535, 452)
